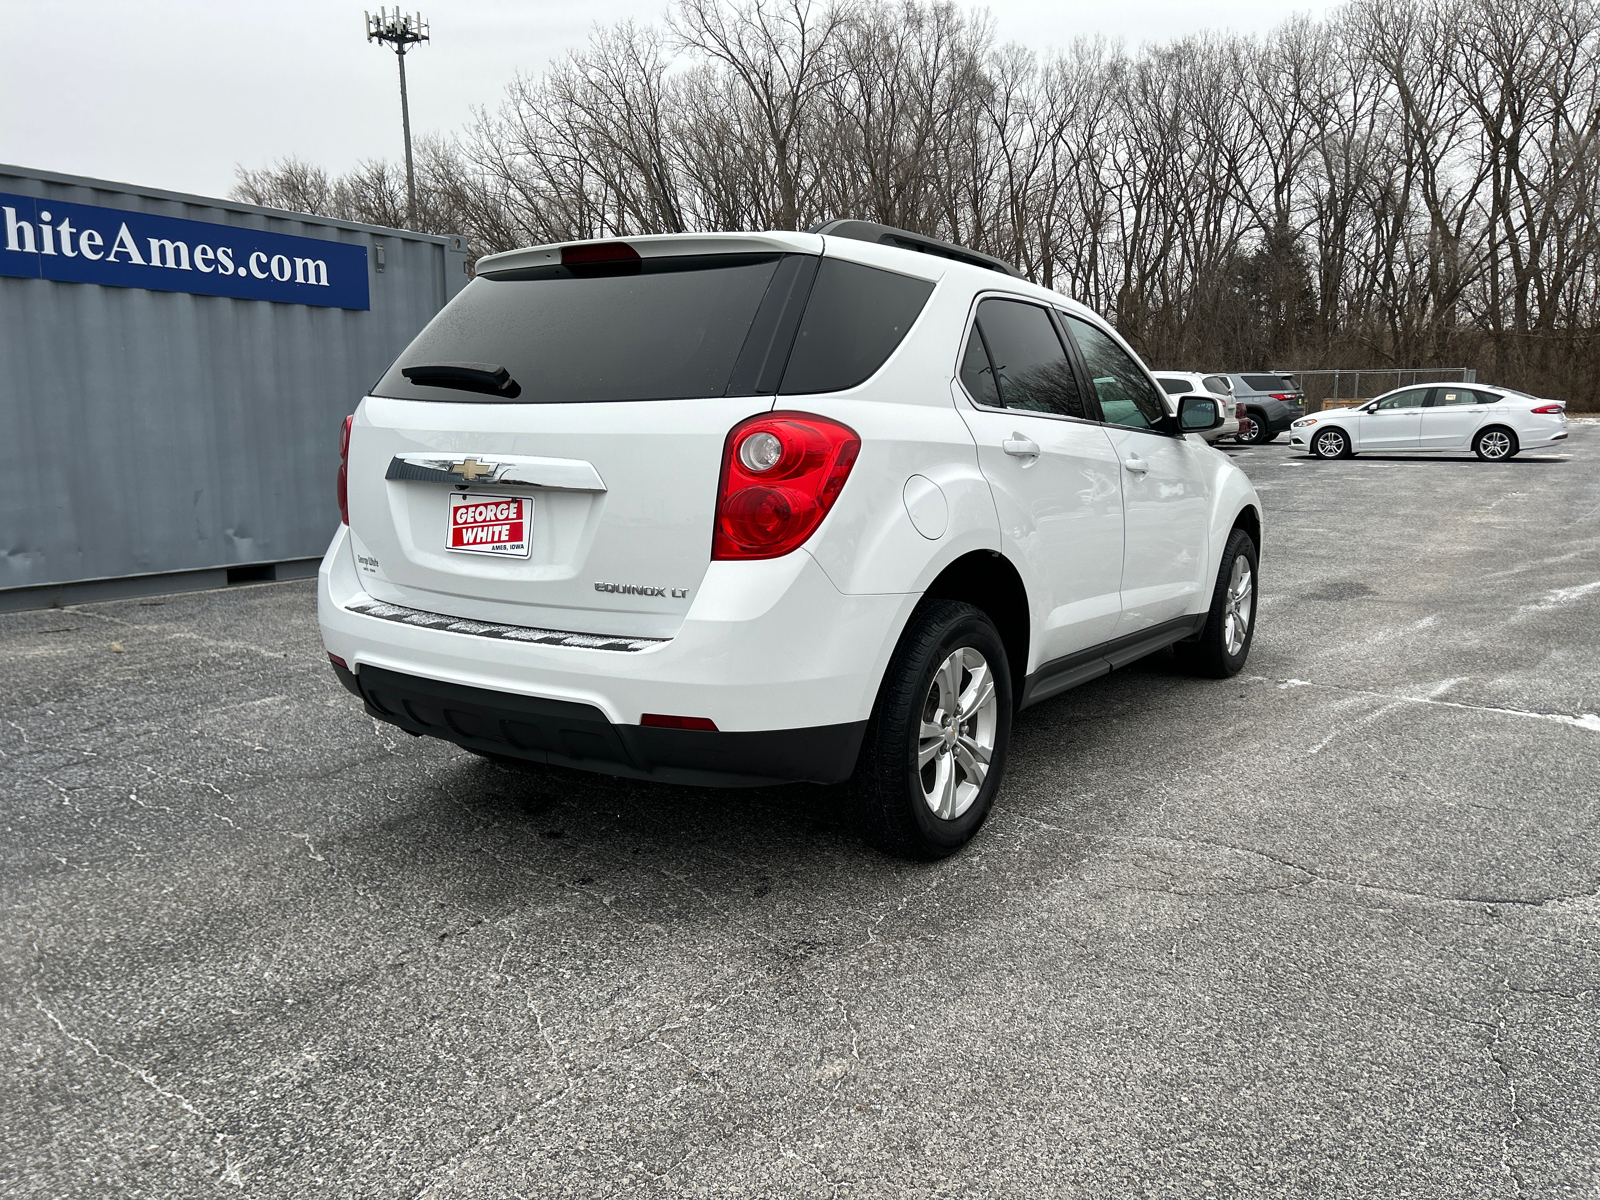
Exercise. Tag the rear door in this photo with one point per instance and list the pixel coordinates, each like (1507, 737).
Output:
(1053, 473)
(1452, 415)
(1395, 423)
(1166, 497)
(589, 402)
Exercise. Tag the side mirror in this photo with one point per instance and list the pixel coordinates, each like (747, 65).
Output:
(1197, 414)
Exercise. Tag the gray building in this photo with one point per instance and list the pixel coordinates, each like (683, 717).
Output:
(175, 371)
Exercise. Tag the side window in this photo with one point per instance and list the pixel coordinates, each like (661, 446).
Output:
(1444, 397)
(855, 318)
(1218, 384)
(1410, 398)
(976, 373)
(1173, 387)
(1028, 364)
(1127, 397)
(1486, 398)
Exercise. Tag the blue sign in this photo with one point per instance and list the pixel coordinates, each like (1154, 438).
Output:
(83, 243)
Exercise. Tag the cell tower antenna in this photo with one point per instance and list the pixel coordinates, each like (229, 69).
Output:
(402, 31)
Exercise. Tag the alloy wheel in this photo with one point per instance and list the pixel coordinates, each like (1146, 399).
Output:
(1240, 602)
(1330, 443)
(1495, 444)
(955, 743)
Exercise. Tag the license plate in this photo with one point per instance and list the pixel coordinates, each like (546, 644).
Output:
(498, 525)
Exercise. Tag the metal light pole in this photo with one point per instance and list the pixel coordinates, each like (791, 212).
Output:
(402, 31)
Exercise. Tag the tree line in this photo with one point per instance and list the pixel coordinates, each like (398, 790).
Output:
(1405, 182)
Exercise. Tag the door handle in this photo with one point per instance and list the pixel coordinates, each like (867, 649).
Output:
(1136, 464)
(1020, 447)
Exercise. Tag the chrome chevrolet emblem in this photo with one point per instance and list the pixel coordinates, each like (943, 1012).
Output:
(472, 470)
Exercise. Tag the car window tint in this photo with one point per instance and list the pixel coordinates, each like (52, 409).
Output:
(1444, 397)
(1219, 384)
(1126, 395)
(977, 374)
(1486, 398)
(854, 320)
(1268, 383)
(1173, 387)
(1410, 398)
(1031, 370)
(669, 329)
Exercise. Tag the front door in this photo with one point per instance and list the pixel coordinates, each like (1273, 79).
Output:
(1394, 424)
(1054, 475)
(1452, 417)
(1166, 496)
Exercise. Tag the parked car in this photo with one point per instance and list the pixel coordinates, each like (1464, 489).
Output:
(1493, 422)
(1271, 404)
(734, 509)
(1214, 387)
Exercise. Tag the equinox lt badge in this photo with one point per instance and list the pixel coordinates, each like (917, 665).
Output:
(635, 589)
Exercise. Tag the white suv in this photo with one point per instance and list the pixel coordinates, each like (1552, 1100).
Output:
(743, 509)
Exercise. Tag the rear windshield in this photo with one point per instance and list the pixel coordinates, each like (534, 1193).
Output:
(1269, 383)
(672, 328)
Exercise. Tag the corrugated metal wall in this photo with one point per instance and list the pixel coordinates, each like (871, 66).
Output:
(147, 431)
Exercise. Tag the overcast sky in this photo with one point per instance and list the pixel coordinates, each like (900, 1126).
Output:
(174, 94)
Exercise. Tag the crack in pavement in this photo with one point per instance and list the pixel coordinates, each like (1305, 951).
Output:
(137, 1072)
(1321, 876)
(1586, 721)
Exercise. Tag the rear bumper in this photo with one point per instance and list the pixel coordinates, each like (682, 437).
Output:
(783, 663)
(579, 735)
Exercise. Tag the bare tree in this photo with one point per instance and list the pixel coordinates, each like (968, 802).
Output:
(1403, 182)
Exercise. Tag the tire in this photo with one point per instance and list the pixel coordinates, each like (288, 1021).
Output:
(1258, 434)
(1220, 651)
(1331, 443)
(1495, 444)
(931, 808)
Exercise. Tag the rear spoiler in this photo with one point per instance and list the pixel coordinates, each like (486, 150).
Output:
(656, 245)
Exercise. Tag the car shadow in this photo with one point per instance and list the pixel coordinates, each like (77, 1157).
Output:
(1546, 458)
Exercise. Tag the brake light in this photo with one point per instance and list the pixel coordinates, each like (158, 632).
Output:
(344, 469)
(781, 473)
(1548, 409)
(1282, 395)
(601, 258)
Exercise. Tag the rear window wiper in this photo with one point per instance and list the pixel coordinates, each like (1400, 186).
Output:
(488, 378)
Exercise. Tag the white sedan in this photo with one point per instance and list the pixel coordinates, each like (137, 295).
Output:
(1452, 418)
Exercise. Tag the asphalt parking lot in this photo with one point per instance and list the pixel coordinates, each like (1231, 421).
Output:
(1330, 928)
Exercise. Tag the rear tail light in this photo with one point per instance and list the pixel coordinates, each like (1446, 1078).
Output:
(662, 721)
(1549, 409)
(343, 487)
(1286, 396)
(781, 473)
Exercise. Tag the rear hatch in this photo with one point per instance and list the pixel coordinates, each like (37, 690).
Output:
(546, 452)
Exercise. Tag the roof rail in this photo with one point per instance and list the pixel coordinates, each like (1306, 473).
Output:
(888, 235)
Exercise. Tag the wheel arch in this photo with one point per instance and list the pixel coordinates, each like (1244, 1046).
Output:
(1249, 520)
(988, 580)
